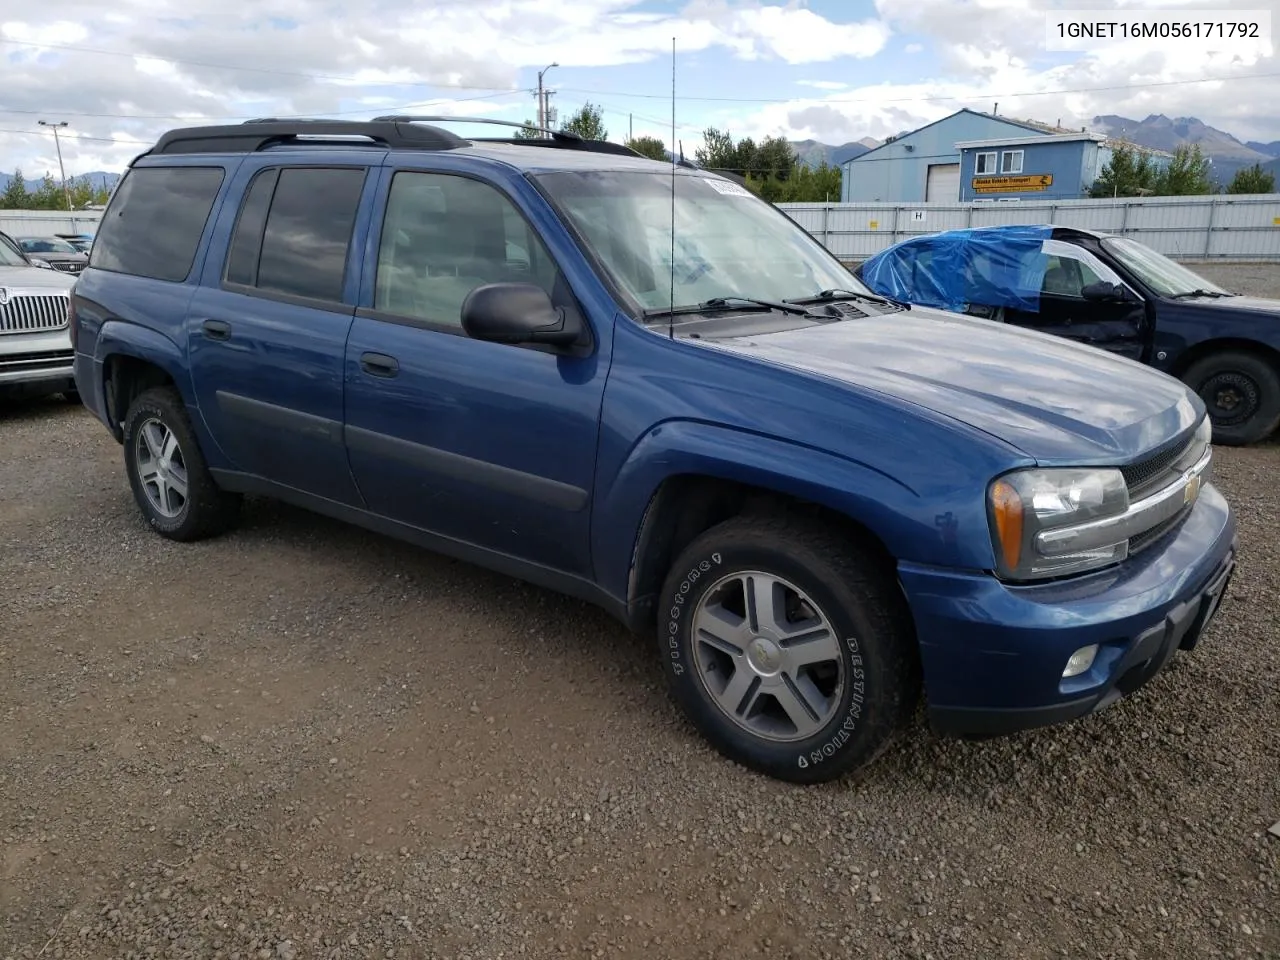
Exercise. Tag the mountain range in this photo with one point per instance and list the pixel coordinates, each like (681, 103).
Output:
(97, 177)
(1156, 132)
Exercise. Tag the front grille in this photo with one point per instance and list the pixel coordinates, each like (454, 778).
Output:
(32, 314)
(1159, 469)
(67, 266)
(1148, 537)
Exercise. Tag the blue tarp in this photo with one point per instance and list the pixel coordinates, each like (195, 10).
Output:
(987, 266)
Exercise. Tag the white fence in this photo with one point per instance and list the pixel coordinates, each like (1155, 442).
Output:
(1240, 228)
(46, 223)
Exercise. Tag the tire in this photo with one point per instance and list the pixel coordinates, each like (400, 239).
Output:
(859, 699)
(157, 417)
(1242, 393)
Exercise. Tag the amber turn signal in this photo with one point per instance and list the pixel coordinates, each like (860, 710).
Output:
(1006, 507)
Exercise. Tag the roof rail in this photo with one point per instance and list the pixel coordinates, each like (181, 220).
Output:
(254, 135)
(555, 138)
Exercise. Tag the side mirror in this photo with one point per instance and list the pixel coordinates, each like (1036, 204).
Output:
(1114, 292)
(516, 313)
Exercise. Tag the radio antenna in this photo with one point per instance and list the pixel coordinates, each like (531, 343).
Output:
(671, 317)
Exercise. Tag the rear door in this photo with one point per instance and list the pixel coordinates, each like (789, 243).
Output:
(1116, 326)
(268, 327)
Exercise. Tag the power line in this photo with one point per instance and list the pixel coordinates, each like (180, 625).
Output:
(952, 97)
(646, 96)
(224, 66)
(282, 116)
(78, 136)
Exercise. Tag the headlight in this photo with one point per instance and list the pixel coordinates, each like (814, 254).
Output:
(1026, 503)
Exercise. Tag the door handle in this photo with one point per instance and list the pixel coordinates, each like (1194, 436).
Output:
(379, 365)
(217, 329)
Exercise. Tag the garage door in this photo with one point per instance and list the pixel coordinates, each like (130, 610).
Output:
(943, 185)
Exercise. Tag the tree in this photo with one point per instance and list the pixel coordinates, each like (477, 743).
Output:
(1187, 174)
(529, 131)
(1128, 173)
(650, 147)
(588, 123)
(48, 195)
(1252, 180)
(717, 151)
(15, 196)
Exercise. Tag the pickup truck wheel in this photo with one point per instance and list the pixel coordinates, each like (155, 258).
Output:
(788, 648)
(167, 472)
(1242, 394)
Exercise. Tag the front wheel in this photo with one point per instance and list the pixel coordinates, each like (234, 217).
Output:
(170, 481)
(1242, 394)
(788, 647)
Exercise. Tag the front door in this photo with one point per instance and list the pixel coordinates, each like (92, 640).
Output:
(268, 329)
(1116, 326)
(487, 443)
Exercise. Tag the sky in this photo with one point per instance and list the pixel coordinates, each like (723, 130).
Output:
(121, 73)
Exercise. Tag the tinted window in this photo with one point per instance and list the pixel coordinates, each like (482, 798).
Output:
(155, 220)
(304, 248)
(442, 237)
(246, 243)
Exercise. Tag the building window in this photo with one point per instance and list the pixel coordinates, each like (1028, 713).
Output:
(1011, 161)
(984, 164)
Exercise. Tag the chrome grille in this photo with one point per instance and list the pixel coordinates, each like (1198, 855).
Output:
(32, 314)
(67, 266)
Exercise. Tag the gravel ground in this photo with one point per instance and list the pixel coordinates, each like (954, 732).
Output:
(302, 740)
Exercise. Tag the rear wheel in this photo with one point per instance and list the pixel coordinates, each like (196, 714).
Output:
(170, 481)
(1242, 394)
(788, 647)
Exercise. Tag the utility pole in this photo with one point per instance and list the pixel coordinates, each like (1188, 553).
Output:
(542, 100)
(57, 145)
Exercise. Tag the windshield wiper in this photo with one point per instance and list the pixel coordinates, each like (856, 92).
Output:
(838, 294)
(719, 304)
(1200, 293)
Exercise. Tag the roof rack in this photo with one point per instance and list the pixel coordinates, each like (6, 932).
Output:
(254, 135)
(405, 131)
(555, 138)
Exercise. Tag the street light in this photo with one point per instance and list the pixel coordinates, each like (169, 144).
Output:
(57, 145)
(542, 108)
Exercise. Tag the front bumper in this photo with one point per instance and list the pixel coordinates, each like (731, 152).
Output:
(27, 358)
(993, 655)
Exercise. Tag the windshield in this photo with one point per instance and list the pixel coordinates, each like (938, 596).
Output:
(1164, 276)
(43, 245)
(728, 243)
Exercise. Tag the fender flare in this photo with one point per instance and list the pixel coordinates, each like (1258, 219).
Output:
(678, 448)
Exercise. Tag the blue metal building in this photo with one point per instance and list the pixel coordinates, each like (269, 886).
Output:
(924, 165)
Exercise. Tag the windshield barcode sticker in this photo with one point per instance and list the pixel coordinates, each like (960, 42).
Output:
(727, 187)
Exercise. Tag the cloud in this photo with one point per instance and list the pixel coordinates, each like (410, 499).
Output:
(822, 84)
(209, 59)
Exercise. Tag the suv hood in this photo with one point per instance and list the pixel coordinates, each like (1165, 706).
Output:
(1055, 400)
(34, 278)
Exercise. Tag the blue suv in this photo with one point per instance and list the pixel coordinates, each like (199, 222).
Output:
(636, 383)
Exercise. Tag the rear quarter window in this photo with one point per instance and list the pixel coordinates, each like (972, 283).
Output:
(155, 220)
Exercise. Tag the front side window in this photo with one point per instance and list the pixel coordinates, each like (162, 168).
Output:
(445, 235)
(727, 241)
(1068, 269)
(984, 163)
(154, 222)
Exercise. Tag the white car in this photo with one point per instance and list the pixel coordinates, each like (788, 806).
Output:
(35, 345)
